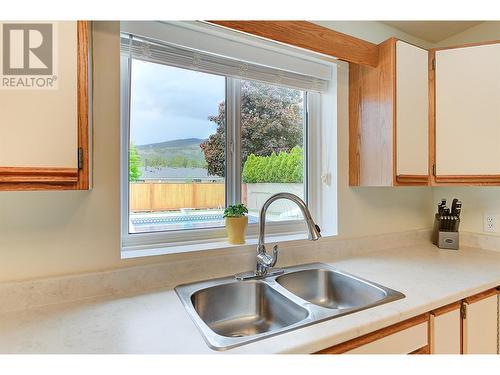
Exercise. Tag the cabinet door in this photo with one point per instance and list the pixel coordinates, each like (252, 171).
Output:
(445, 331)
(468, 113)
(480, 326)
(44, 111)
(412, 107)
(406, 337)
(402, 342)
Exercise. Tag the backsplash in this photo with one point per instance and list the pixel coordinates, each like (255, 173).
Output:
(480, 241)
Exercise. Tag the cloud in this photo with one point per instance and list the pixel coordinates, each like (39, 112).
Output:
(171, 103)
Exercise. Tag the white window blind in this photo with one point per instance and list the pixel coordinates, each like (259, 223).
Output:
(164, 53)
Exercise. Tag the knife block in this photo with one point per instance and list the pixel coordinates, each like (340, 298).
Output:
(448, 240)
(444, 239)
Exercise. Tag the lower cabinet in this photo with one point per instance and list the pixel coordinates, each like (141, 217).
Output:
(409, 340)
(446, 330)
(470, 326)
(480, 325)
(409, 336)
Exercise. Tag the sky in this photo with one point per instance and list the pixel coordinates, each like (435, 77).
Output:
(170, 103)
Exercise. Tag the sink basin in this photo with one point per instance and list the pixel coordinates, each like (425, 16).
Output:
(230, 313)
(331, 289)
(242, 309)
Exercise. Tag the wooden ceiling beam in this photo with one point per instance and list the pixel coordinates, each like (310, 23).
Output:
(310, 36)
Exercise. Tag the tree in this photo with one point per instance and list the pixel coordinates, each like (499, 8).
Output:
(134, 161)
(213, 147)
(176, 161)
(271, 122)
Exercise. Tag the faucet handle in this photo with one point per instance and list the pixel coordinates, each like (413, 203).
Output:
(265, 264)
(268, 260)
(275, 256)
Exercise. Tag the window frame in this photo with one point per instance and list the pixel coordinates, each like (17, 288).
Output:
(176, 241)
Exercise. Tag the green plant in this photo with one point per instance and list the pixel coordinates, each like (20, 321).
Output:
(235, 210)
(284, 167)
(134, 161)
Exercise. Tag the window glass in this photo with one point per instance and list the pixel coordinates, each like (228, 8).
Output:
(174, 179)
(272, 148)
(177, 158)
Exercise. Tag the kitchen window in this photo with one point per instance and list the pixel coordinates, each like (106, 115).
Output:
(202, 131)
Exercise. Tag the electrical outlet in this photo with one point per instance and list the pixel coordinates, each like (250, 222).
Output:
(490, 223)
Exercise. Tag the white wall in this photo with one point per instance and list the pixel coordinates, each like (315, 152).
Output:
(485, 31)
(475, 200)
(56, 233)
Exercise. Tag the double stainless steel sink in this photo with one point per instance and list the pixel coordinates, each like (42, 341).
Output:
(230, 313)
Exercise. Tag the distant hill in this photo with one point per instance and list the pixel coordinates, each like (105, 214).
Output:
(174, 143)
(185, 149)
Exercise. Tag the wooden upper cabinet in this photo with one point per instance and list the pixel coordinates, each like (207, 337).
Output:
(467, 119)
(388, 118)
(44, 131)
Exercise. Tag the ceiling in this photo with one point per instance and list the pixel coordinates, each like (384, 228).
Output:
(432, 31)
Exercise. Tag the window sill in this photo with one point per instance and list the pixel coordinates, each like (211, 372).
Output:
(187, 247)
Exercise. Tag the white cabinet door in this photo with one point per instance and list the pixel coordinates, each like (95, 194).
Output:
(468, 111)
(412, 105)
(38, 111)
(480, 327)
(402, 342)
(446, 337)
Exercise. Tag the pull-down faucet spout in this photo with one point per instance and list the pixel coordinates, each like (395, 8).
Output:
(265, 262)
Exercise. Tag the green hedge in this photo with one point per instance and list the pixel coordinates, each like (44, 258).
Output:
(285, 167)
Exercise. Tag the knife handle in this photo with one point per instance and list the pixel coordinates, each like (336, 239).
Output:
(454, 206)
(442, 206)
(458, 209)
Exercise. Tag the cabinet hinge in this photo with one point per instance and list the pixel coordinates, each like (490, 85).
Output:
(80, 158)
(463, 310)
(434, 169)
(433, 64)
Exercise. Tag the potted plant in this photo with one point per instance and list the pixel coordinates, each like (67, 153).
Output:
(236, 223)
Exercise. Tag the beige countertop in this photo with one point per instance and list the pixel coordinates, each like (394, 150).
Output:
(156, 322)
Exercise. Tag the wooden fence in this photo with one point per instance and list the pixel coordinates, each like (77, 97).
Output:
(173, 196)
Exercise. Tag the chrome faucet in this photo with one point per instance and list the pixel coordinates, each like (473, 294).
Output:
(266, 262)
